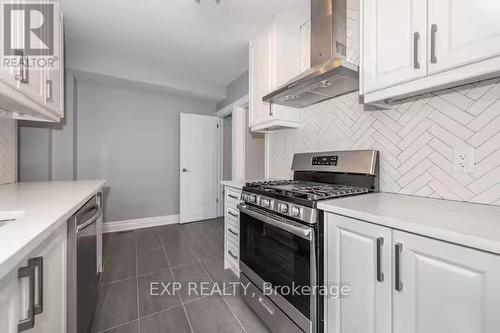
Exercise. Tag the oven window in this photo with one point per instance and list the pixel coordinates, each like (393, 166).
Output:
(277, 256)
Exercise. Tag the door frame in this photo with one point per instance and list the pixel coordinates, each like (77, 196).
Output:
(239, 127)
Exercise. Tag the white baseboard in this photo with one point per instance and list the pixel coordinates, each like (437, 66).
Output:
(140, 223)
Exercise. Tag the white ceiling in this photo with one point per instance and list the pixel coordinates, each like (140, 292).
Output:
(174, 43)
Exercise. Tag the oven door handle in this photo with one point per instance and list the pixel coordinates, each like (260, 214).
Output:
(289, 226)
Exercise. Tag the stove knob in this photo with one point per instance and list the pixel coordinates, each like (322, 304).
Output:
(295, 211)
(252, 198)
(283, 208)
(265, 203)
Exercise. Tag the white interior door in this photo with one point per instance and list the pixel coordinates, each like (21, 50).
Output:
(198, 167)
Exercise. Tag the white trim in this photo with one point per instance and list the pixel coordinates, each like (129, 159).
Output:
(139, 223)
(478, 71)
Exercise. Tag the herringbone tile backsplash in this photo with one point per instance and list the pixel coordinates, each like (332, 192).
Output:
(8, 149)
(416, 140)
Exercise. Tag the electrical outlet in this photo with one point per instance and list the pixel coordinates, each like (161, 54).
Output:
(463, 160)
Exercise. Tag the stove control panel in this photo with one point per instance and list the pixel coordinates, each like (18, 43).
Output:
(271, 205)
(325, 160)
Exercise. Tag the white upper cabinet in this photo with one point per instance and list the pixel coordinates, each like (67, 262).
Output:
(411, 47)
(29, 92)
(444, 287)
(275, 58)
(463, 31)
(394, 42)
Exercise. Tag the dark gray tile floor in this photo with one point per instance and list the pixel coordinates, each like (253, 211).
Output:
(180, 253)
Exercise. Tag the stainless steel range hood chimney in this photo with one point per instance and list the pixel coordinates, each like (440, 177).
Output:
(331, 73)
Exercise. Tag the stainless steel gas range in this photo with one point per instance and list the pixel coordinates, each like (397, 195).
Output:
(281, 235)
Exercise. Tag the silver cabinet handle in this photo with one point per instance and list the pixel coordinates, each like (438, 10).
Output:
(416, 38)
(48, 87)
(266, 306)
(380, 274)
(232, 231)
(434, 29)
(29, 322)
(271, 113)
(235, 257)
(232, 214)
(37, 264)
(233, 196)
(397, 266)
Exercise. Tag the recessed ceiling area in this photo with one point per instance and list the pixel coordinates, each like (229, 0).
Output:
(180, 44)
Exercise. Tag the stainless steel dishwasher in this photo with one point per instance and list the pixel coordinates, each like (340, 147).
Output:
(82, 266)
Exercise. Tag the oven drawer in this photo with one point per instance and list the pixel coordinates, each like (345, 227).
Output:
(232, 196)
(271, 315)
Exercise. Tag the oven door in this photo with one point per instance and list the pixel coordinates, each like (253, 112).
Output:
(281, 252)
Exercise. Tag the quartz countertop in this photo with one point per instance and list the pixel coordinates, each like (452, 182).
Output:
(43, 206)
(473, 225)
(234, 183)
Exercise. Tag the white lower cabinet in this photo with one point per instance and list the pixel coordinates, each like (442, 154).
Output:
(405, 283)
(358, 254)
(445, 288)
(232, 229)
(45, 269)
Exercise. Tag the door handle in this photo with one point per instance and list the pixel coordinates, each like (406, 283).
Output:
(434, 29)
(37, 263)
(416, 38)
(380, 274)
(29, 322)
(185, 170)
(397, 266)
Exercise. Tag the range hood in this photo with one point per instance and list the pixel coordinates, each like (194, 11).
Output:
(331, 73)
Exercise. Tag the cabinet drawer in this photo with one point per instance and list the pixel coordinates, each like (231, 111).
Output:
(232, 213)
(233, 252)
(232, 196)
(233, 224)
(233, 236)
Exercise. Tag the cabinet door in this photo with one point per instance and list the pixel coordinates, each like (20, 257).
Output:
(11, 302)
(394, 42)
(464, 32)
(261, 75)
(53, 252)
(54, 79)
(358, 254)
(445, 287)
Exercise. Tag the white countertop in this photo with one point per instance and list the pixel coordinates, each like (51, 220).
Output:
(45, 206)
(472, 225)
(234, 183)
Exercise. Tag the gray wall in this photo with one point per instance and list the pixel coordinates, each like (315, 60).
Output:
(124, 132)
(235, 90)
